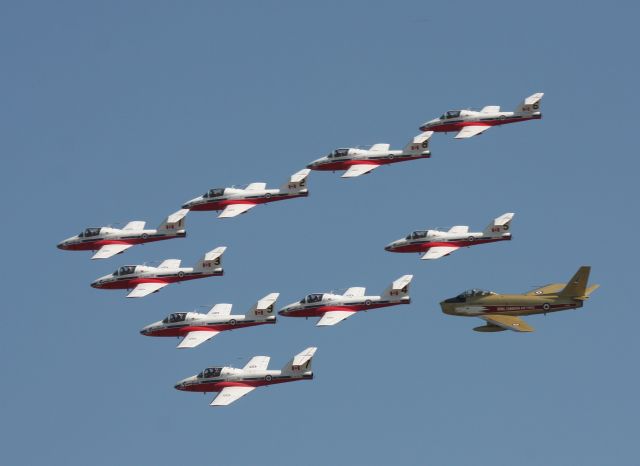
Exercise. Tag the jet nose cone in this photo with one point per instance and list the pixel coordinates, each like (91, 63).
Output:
(60, 245)
(95, 284)
(282, 312)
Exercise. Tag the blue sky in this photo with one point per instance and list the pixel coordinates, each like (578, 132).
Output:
(119, 111)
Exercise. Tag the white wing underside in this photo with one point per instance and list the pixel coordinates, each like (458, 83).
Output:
(230, 394)
(333, 318)
(222, 309)
(360, 169)
(110, 250)
(195, 338)
(470, 131)
(234, 210)
(438, 252)
(144, 289)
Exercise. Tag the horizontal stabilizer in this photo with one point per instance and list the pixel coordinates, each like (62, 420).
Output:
(401, 282)
(136, 225)
(214, 254)
(297, 177)
(302, 358)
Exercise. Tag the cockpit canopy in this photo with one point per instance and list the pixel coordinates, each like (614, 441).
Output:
(89, 232)
(462, 297)
(125, 270)
(338, 153)
(216, 192)
(210, 372)
(418, 234)
(450, 114)
(312, 298)
(175, 317)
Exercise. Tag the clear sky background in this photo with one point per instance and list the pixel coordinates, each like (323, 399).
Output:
(119, 111)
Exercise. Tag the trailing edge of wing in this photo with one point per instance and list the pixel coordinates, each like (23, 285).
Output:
(360, 169)
(333, 318)
(234, 210)
(508, 322)
(355, 291)
(195, 338)
(438, 252)
(470, 131)
(230, 394)
(257, 363)
(144, 289)
(110, 250)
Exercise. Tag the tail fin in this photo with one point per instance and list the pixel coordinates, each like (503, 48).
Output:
(301, 362)
(264, 308)
(577, 286)
(531, 104)
(419, 144)
(175, 221)
(499, 226)
(211, 261)
(297, 182)
(399, 289)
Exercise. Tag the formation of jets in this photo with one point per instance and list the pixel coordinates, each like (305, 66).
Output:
(499, 311)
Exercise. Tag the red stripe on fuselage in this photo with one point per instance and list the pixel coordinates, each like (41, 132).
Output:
(217, 386)
(182, 331)
(346, 164)
(133, 282)
(221, 205)
(423, 247)
(97, 244)
(319, 311)
(447, 127)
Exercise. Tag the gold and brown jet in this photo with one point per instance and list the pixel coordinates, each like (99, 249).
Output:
(501, 311)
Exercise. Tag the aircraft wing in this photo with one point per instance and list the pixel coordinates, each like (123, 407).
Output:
(135, 225)
(230, 394)
(234, 210)
(508, 322)
(222, 309)
(470, 131)
(380, 147)
(257, 363)
(459, 229)
(195, 338)
(438, 252)
(333, 317)
(144, 289)
(355, 292)
(110, 250)
(360, 169)
(547, 289)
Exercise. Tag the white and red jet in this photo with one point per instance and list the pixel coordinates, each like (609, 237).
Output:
(436, 243)
(334, 308)
(358, 162)
(470, 123)
(196, 328)
(108, 241)
(143, 280)
(235, 201)
(232, 384)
